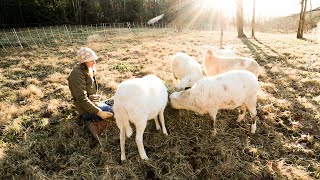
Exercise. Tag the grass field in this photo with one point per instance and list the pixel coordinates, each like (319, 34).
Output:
(41, 137)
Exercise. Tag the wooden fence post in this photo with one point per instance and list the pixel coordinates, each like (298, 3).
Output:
(7, 38)
(54, 37)
(39, 36)
(18, 39)
(68, 34)
(23, 37)
(34, 42)
(45, 34)
(59, 32)
(3, 47)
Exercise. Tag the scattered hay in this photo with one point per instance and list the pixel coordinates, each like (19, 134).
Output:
(56, 78)
(31, 91)
(94, 38)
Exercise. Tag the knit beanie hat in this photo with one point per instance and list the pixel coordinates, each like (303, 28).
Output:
(86, 55)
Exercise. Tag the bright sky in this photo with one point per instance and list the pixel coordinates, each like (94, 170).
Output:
(273, 8)
(264, 8)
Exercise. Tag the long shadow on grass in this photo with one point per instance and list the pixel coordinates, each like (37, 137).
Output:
(262, 50)
(299, 88)
(57, 150)
(289, 88)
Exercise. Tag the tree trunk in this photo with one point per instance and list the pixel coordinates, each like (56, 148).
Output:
(311, 21)
(239, 4)
(302, 19)
(77, 10)
(178, 18)
(304, 16)
(221, 19)
(253, 18)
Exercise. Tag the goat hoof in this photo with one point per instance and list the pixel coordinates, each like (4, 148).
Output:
(253, 128)
(123, 158)
(214, 132)
(145, 158)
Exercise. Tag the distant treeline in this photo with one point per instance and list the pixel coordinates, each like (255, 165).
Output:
(24, 13)
(19, 13)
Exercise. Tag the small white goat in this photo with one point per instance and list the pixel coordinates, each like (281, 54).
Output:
(227, 51)
(214, 64)
(139, 100)
(224, 91)
(186, 69)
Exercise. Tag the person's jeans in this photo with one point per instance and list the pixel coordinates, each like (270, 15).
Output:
(93, 117)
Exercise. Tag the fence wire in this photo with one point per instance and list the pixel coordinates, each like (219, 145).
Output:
(18, 38)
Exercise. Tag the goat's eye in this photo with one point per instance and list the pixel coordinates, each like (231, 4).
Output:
(186, 88)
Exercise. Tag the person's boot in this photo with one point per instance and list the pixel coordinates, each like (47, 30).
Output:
(98, 127)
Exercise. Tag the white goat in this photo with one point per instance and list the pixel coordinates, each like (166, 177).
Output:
(224, 91)
(227, 51)
(139, 100)
(186, 69)
(214, 64)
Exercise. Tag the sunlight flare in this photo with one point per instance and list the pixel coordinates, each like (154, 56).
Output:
(226, 6)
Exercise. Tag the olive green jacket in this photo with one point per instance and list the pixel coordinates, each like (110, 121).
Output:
(82, 86)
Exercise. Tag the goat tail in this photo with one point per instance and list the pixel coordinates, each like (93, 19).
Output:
(127, 128)
(122, 119)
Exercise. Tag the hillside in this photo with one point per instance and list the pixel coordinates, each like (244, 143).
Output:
(289, 24)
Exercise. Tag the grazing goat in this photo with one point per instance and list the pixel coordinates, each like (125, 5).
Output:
(214, 64)
(227, 51)
(186, 69)
(139, 100)
(225, 91)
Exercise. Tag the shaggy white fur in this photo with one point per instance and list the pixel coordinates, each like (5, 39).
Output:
(214, 64)
(186, 69)
(137, 101)
(225, 91)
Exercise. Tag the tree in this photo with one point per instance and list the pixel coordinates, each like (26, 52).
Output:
(222, 24)
(302, 19)
(178, 17)
(253, 17)
(77, 7)
(239, 5)
(17, 13)
(311, 21)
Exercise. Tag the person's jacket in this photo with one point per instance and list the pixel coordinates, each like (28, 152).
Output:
(82, 86)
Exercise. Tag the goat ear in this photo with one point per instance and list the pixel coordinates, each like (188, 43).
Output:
(174, 95)
(209, 54)
(184, 94)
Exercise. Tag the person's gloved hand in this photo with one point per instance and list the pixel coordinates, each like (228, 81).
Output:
(110, 102)
(104, 114)
(94, 97)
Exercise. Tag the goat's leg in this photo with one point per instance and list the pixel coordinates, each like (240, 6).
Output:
(139, 139)
(213, 115)
(253, 112)
(122, 143)
(164, 130)
(243, 110)
(157, 122)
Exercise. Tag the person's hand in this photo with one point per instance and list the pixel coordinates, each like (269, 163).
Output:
(104, 114)
(94, 97)
(110, 102)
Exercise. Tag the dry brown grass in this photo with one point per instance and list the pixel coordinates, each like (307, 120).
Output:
(41, 137)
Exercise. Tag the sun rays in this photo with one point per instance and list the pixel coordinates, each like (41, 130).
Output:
(197, 12)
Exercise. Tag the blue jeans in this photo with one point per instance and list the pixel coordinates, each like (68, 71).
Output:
(93, 117)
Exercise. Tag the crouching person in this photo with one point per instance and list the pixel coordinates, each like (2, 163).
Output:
(84, 88)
